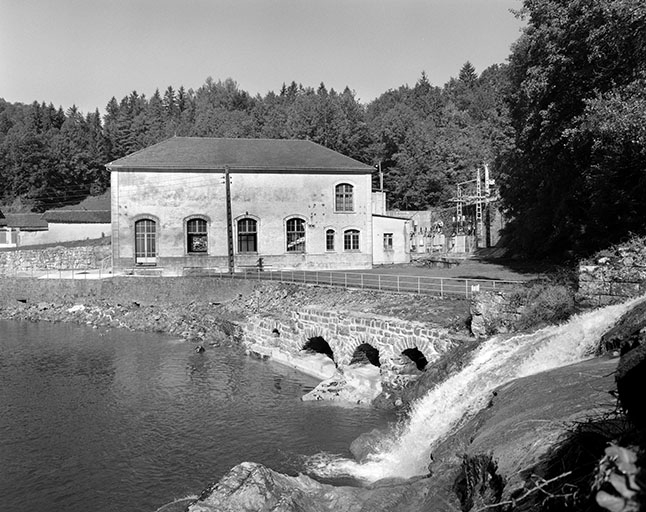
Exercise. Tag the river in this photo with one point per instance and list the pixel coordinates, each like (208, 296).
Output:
(113, 420)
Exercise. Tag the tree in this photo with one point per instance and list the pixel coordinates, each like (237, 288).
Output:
(572, 170)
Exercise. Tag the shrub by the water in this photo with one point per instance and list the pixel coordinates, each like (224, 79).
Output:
(545, 304)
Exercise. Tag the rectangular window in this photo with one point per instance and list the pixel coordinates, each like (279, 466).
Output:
(295, 231)
(247, 235)
(344, 201)
(388, 241)
(351, 240)
(145, 242)
(329, 240)
(196, 236)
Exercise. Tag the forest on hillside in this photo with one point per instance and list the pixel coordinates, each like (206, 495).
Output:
(426, 137)
(562, 125)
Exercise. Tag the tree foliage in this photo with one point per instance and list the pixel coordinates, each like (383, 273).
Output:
(426, 137)
(575, 179)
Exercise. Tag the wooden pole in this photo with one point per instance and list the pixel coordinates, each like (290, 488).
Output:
(227, 185)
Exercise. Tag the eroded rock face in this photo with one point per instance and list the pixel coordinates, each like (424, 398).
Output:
(251, 487)
(486, 461)
(631, 383)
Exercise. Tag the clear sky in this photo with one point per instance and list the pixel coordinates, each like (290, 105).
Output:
(84, 52)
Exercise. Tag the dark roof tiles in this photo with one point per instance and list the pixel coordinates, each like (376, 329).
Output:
(26, 221)
(240, 154)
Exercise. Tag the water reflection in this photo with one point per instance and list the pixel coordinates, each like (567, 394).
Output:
(123, 421)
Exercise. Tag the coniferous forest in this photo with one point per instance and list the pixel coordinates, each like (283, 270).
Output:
(562, 126)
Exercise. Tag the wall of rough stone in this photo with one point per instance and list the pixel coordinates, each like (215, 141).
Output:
(344, 332)
(613, 275)
(53, 258)
(493, 312)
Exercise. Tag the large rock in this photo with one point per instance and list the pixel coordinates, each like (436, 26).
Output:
(529, 417)
(251, 487)
(627, 332)
(356, 384)
(487, 460)
(631, 383)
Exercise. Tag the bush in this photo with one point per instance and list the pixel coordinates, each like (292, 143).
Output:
(545, 304)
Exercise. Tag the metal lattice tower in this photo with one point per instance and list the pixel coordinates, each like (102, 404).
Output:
(479, 220)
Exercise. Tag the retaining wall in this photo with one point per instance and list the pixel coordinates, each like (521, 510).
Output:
(53, 258)
(144, 290)
(614, 275)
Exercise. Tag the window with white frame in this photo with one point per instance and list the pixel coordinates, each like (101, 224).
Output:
(351, 240)
(388, 241)
(145, 242)
(295, 232)
(196, 236)
(247, 235)
(344, 198)
(329, 239)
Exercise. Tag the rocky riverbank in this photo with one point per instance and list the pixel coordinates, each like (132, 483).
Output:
(487, 463)
(554, 440)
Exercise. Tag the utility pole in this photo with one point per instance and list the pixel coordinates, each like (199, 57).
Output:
(227, 187)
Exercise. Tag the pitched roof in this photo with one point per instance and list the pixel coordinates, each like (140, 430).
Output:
(92, 210)
(201, 153)
(26, 221)
(78, 216)
(100, 202)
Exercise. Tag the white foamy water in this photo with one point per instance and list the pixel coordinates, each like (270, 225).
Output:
(445, 407)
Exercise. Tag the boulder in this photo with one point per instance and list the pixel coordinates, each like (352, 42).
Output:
(627, 332)
(356, 384)
(251, 487)
(631, 383)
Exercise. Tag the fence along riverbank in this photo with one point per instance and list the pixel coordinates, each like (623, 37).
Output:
(401, 283)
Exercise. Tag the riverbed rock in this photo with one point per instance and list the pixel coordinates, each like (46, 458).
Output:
(529, 418)
(628, 332)
(356, 384)
(631, 383)
(251, 487)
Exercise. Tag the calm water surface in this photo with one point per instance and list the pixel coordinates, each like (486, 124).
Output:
(122, 421)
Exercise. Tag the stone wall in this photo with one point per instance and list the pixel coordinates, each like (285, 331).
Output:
(344, 332)
(493, 312)
(613, 275)
(53, 258)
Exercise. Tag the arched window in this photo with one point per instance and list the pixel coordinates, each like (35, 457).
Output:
(329, 240)
(351, 240)
(145, 242)
(295, 231)
(196, 236)
(247, 235)
(344, 198)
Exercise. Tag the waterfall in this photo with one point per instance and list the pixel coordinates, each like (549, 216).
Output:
(496, 362)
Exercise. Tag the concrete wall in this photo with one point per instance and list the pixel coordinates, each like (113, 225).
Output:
(170, 198)
(344, 332)
(399, 230)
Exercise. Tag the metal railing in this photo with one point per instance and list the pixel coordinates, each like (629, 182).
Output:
(52, 273)
(427, 285)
